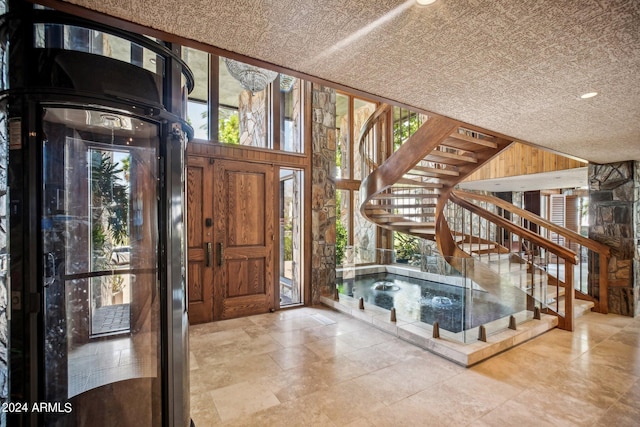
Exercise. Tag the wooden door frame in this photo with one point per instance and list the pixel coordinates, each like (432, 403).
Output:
(277, 159)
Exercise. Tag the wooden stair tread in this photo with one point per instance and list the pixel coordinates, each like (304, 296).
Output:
(408, 196)
(426, 230)
(409, 206)
(425, 171)
(435, 154)
(486, 142)
(413, 224)
(417, 183)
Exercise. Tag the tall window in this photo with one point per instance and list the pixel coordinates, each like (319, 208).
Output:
(198, 103)
(353, 232)
(270, 118)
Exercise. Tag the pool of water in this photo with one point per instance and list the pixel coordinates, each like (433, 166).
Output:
(453, 307)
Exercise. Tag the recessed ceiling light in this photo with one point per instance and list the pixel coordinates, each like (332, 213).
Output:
(588, 95)
(425, 2)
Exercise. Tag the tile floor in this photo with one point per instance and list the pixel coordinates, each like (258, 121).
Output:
(318, 367)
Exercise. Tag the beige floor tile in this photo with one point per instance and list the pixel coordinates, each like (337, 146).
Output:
(252, 368)
(616, 355)
(318, 367)
(560, 406)
(334, 370)
(330, 347)
(242, 399)
(620, 415)
(400, 349)
(517, 367)
(632, 396)
(297, 337)
(344, 402)
(519, 414)
(415, 375)
(360, 422)
(295, 383)
(371, 359)
(289, 414)
(387, 392)
(365, 338)
(209, 378)
(290, 357)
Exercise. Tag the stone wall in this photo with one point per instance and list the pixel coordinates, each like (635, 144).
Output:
(636, 221)
(613, 220)
(253, 123)
(323, 200)
(4, 270)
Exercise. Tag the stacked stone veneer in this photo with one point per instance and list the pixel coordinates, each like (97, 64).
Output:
(614, 214)
(323, 200)
(253, 113)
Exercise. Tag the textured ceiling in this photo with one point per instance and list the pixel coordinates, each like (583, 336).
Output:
(514, 67)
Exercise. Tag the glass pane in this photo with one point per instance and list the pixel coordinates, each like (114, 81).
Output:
(100, 239)
(361, 112)
(343, 211)
(291, 114)
(291, 229)
(364, 236)
(85, 40)
(251, 108)
(343, 150)
(198, 105)
(228, 126)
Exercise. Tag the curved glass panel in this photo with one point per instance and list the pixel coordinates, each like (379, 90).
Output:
(100, 240)
(69, 37)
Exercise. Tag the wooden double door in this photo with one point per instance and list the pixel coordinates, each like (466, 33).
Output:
(231, 232)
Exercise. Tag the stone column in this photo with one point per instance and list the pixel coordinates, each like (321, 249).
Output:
(323, 197)
(253, 113)
(614, 220)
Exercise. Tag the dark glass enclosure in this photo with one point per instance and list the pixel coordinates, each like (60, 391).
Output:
(92, 140)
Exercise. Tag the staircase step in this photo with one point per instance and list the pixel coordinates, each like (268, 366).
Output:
(436, 154)
(414, 224)
(417, 183)
(407, 206)
(477, 247)
(407, 196)
(486, 142)
(433, 172)
(423, 230)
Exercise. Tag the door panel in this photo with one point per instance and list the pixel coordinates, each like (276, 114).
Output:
(100, 295)
(199, 239)
(244, 235)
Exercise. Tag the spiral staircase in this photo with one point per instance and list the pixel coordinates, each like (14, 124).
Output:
(413, 191)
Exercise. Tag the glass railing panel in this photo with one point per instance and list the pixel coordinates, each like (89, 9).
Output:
(439, 290)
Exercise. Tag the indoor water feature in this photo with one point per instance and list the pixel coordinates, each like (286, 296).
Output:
(455, 308)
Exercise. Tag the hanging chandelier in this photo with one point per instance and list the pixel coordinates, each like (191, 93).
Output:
(252, 78)
(286, 82)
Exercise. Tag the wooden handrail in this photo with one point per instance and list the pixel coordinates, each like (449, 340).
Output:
(371, 121)
(538, 220)
(562, 252)
(381, 187)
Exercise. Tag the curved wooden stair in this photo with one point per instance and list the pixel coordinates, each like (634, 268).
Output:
(413, 191)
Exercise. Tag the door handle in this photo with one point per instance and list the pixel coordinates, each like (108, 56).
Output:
(220, 253)
(209, 256)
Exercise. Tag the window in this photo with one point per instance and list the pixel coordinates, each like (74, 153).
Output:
(353, 232)
(198, 102)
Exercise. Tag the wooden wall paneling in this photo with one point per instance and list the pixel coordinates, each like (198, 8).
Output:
(522, 159)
